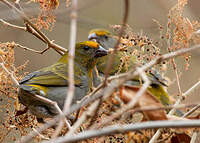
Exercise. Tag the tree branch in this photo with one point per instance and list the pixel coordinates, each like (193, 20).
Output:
(111, 57)
(72, 42)
(115, 129)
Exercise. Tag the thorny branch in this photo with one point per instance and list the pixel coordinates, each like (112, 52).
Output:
(115, 82)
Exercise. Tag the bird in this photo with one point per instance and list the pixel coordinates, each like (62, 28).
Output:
(107, 40)
(52, 82)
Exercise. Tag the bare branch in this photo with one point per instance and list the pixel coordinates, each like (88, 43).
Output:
(83, 117)
(72, 42)
(12, 25)
(43, 137)
(184, 96)
(126, 128)
(191, 111)
(29, 49)
(111, 57)
(48, 101)
(10, 74)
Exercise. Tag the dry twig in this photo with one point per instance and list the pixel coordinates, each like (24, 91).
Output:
(70, 93)
(111, 57)
(191, 111)
(10, 74)
(114, 129)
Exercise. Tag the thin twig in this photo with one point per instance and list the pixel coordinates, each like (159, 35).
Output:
(184, 96)
(50, 102)
(115, 129)
(83, 117)
(71, 87)
(29, 49)
(10, 74)
(173, 61)
(41, 136)
(95, 115)
(191, 111)
(12, 25)
(111, 57)
(177, 76)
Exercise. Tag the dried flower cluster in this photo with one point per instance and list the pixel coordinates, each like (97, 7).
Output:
(139, 48)
(12, 126)
(181, 32)
(46, 18)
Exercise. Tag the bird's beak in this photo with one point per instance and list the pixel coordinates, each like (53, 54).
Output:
(92, 37)
(100, 52)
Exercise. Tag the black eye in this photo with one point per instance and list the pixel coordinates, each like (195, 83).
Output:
(106, 37)
(86, 48)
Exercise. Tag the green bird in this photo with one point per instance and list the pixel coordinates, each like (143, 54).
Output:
(107, 40)
(52, 82)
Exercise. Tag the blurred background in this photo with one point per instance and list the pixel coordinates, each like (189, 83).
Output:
(100, 14)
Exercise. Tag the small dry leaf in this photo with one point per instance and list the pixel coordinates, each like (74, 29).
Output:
(180, 138)
(147, 100)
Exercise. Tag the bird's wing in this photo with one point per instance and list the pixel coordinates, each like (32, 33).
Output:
(55, 75)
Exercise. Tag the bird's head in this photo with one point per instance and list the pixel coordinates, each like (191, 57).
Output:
(86, 53)
(103, 37)
(89, 50)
